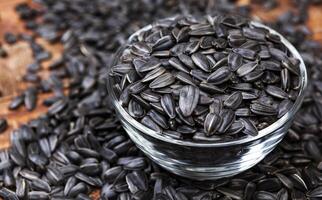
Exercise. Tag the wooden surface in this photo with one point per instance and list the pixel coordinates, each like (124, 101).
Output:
(13, 67)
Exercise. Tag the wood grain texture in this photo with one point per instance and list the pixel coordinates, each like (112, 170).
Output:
(13, 67)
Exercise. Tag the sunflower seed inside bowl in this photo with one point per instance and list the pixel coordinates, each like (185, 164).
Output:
(250, 84)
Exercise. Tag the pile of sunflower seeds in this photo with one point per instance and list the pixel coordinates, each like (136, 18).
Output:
(215, 75)
(79, 146)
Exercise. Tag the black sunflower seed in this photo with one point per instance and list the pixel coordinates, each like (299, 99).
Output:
(187, 120)
(189, 97)
(211, 88)
(263, 109)
(30, 99)
(220, 76)
(158, 119)
(8, 194)
(192, 47)
(187, 61)
(135, 109)
(206, 30)
(199, 74)
(41, 185)
(3, 125)
(162, 81)
(16, 102)
(147, 121)
(141, 48)
(201, 61)
(122, 68)
(278, 54)
(176, 63)
(234, 61)
(249, 191)
(163, 43)
(230, 193)
(206, 42)
(153, 74)
(276, 92)
(246, 68)
(147, 66)
(246, 53)
(250, 128)
(234, 100)
(285, 180)
(33, 195)
(265, 195)
(282, 194)
(316, 193)
(228, 117)
(168, 105)
(235, 127)
(185, 78)
(212, 123)
(22, 187)
(283, 107)
(216, 106)
(254, 33)
(137, 87)
(150, 96)
(183, 34)
(77, 189)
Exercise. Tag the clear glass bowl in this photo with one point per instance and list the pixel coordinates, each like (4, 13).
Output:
(202, 160)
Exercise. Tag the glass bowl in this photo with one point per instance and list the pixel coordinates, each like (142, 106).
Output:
(204, 160)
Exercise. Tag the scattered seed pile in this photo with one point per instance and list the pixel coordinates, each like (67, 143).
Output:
(218, 75)
(79, 146)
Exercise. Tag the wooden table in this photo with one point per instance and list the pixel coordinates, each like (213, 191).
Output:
(13, 67)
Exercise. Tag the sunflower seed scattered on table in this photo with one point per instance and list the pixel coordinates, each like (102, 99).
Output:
(3, 125)
(86, 124)
(240, 67)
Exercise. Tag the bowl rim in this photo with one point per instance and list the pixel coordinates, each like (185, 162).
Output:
(262, 133)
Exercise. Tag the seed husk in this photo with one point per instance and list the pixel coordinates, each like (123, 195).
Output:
(212, 123)
(236, 127)
(3, 125)
(150, 96)
(187, 61)
(162, 81)
(220, 76)
(176, 63)
(147, 121)
(201, 61)
(276, 92)
(135, 109)
(246, 68)
(228, 117)
(234, 100)
(189, 97)
(185, 78)
(249, 129)
(158, 118)
(262, 109)
(246, 53)
(283, 107)
(153, 74)
(234, 61)
(211, 88)
(168, 105)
